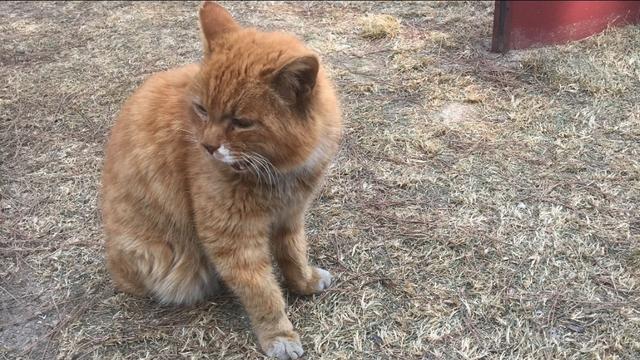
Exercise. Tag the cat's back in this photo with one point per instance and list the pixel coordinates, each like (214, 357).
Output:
(159, 97)
(150, 117)
(146, 150)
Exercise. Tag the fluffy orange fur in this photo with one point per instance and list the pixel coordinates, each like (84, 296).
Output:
(210, 169)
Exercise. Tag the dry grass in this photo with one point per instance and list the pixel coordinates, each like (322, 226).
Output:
(482, 206)
(379, 26)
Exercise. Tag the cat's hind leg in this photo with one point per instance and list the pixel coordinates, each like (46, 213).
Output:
(157, 269)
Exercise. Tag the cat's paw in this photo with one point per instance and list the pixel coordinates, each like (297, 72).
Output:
(284, 348)
(324, 279)
(319, 281)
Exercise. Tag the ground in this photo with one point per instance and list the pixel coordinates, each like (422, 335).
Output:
(481, 206)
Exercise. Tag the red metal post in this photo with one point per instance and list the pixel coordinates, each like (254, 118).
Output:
(524, 24)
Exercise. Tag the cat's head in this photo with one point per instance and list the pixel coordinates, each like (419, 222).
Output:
(260, 99)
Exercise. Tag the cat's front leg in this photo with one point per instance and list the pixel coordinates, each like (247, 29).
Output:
(243, 262)
(289, 245)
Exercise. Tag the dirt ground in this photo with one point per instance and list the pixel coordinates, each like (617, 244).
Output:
(482, 206)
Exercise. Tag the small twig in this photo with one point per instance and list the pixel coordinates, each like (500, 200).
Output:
(10, 294)
(363, 55)
(552, 312)
(79, 310)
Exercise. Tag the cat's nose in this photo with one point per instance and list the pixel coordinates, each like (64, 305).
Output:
(211, 148)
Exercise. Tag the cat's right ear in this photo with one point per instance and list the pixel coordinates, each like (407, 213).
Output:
(214, 22)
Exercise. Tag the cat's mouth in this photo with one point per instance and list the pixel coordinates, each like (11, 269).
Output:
(225, 156)
(238, 166)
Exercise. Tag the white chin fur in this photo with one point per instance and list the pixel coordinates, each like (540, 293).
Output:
(223, 154)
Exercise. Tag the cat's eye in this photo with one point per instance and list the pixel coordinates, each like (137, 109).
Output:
(200, 110)
(241, 123)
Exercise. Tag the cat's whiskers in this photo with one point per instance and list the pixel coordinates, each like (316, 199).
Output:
(263, 172)
(262, 166)
(266, 174)
(253, 166)
(272, 172)
(267, 166)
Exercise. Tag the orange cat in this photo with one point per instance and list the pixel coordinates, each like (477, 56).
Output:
(209, 171)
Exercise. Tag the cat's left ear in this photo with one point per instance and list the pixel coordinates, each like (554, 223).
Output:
(214, 22)
(295, 81)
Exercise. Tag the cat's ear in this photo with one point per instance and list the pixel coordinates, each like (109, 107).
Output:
(214, 21)
(295, 81)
